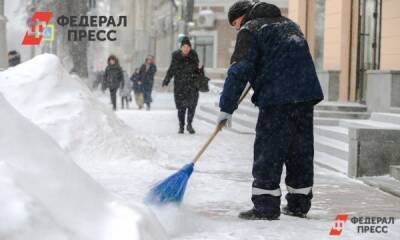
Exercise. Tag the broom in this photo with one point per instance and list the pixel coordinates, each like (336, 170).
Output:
(172, 189)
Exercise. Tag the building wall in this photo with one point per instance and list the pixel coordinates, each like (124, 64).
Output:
(165, 24)
(390, 47)
(340, 51)
(335, 25)
(226, 43)
(224, 34)
(298, 12)
(164, 51)
(337, 42)
(3, 41)
(337, 36)
(303, 12)
(333, 34)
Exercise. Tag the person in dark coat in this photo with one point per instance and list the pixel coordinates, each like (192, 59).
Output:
(113, 78)
(125, 91)
(138, 88)
(272, 55)
(147, 72)
(184, 68)
(99, 78)
(14, 58)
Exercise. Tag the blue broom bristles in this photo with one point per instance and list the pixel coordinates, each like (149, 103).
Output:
(172, 189)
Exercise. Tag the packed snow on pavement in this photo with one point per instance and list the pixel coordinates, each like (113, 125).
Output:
(48, 194)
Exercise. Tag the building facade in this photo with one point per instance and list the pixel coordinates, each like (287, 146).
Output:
(355, 44)
(212, 36)
(135, 41)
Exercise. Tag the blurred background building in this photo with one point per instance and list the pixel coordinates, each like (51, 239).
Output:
(133, 45)
(212, 36)
(353, 42)
(355, 45)
(3, 40)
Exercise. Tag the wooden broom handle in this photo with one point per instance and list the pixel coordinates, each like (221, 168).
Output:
(218, 129)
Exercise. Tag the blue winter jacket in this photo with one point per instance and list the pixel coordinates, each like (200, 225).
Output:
(271, 54)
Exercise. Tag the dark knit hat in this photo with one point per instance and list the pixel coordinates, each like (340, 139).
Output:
(186, 41)
(238, 9)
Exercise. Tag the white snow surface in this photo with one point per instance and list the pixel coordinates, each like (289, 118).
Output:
(61, 104)
(45, 195)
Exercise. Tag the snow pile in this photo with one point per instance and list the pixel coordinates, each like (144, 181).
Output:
(43, 91)
(45, 195)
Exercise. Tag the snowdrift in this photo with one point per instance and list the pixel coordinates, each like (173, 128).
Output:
(62, 105)
(45, 195)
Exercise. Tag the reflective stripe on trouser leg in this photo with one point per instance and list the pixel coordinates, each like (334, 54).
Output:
(304, 191)
(259, 191)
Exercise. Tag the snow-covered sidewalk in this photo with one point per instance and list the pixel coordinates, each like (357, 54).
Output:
(55, 133)
(221, 184)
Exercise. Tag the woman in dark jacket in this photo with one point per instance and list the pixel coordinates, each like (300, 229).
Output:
(147, 72)
(113, 78)
(184, 69)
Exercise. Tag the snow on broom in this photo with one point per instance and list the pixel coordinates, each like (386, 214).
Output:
(172, 189)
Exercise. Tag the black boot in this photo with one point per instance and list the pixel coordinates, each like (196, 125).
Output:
(190, 129)
(298, 205)
(253, 214)
(288, 212)
(181, 129)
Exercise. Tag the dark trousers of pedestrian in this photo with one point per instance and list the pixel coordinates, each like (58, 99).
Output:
(147, 99)
(182, 115)
(125, 102)
(113, 95)
(284, 136)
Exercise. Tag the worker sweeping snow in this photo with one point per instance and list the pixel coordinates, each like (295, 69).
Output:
(272, 55)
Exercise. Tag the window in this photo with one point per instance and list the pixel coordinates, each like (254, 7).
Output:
(204, 46)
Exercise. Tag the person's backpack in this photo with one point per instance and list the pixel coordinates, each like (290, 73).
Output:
(202, 81)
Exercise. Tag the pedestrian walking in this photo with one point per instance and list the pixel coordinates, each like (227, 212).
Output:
(138, 88)
(98, 81)
(126, 90)
(272, 55)
(184, 68)
(147, 72)
(14, 58)
(113, 77)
